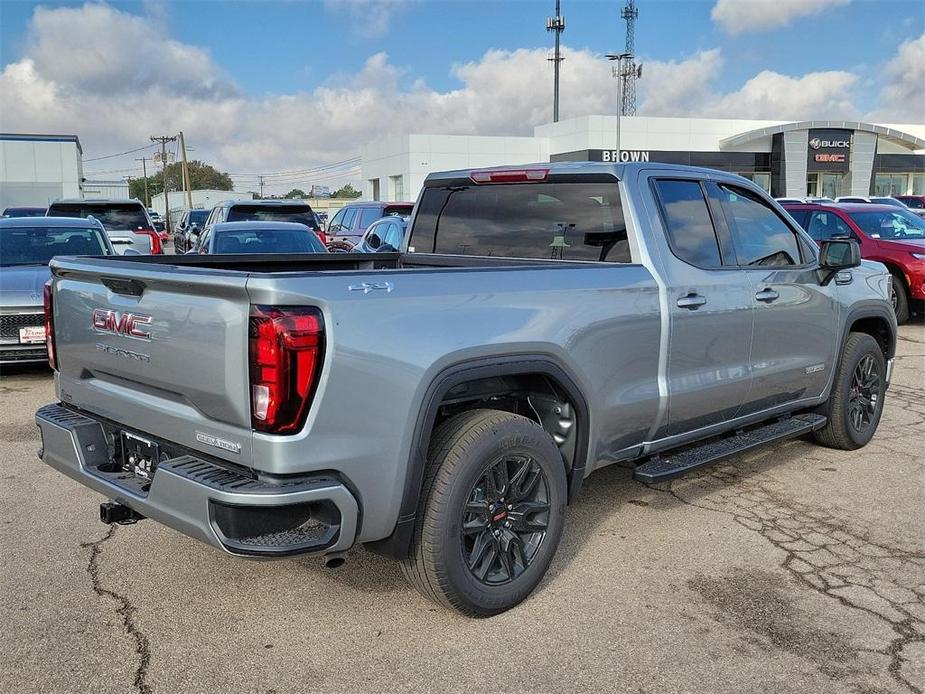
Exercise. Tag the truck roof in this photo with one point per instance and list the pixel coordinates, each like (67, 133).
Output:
(68, 222)
(620, 170)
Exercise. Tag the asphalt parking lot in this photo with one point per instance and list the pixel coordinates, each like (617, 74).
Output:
(793, 569)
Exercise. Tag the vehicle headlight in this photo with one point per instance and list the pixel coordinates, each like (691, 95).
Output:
(918, 256)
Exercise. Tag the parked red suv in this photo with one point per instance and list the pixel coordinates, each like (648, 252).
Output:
(887, 234)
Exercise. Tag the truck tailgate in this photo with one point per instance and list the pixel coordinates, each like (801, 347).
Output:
(159, 349)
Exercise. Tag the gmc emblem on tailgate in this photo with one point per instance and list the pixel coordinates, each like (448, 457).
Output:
(127, 324)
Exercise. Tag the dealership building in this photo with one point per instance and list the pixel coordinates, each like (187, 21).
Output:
(36, 169)
(792, 159)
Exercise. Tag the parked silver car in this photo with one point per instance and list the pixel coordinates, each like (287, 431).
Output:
(26, 246)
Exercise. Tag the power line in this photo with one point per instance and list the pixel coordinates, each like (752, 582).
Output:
(120, 154)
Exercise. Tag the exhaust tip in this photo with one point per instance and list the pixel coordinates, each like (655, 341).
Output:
(333, 561)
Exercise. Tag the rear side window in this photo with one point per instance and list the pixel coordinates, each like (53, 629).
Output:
(561, 221)
(113, 216)
(827, 225)
(690, 227)
(369, 215)
(346, 223)
(761, 237)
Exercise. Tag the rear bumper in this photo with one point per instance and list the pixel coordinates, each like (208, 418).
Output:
(23, 354)
(227, 509)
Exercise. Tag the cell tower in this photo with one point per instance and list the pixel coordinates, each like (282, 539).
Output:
(627, 71)
(556, 24)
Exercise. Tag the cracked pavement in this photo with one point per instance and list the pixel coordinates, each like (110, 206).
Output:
(794, 568)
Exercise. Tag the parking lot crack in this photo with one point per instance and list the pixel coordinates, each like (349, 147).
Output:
(822, 552)
(125, 609)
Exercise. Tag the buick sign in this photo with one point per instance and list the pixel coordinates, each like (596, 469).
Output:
(817, 143)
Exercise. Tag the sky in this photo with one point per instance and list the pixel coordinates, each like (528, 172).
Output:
(293, 90)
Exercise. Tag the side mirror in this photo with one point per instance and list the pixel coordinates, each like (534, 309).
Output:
(132, 251)
(373, 241)
(839, 254)
(836, 255)
(192, 251)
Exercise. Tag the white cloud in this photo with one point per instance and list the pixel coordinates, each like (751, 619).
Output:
(368, 18)
(902, 99)
(741, 16)
(115, 94)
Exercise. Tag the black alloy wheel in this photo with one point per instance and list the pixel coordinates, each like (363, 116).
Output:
(505, 519)
(864, 395)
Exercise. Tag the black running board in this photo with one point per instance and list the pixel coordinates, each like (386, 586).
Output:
(660, 469)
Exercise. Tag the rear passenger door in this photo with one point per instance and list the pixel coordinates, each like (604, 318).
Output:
(710, 310)
(796, 319)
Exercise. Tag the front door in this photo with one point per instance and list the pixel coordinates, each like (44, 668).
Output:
(796, 319)
(710, 312)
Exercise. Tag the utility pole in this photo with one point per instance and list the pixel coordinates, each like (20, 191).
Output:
(144, 172)
(163, 140)
(260, 181)
(557, 25)
(187, 182)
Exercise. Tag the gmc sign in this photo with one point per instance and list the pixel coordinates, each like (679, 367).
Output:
(828, 149)
(105, 320)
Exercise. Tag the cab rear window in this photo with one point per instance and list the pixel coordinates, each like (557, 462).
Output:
(300, 214)
(113, 216)
(558, 221)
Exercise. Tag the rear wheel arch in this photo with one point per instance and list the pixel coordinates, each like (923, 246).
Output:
(480, 375)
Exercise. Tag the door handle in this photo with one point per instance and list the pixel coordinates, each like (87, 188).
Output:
(767, 296)
(692, 301)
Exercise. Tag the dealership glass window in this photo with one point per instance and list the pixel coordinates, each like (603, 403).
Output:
(688, 221)
(762, 180)
(891, 184)
(562, 221)
(761, 237)
(398, 187)
(918, 184)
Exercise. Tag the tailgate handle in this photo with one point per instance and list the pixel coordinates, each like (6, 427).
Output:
(121, 285)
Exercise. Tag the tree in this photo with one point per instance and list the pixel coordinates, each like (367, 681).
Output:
(347, 191)
(295, 193)
(202, 177)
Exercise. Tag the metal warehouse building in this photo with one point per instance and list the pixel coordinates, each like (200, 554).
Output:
(36, 169)
(799, 159)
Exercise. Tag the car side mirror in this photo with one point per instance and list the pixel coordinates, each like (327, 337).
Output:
(374, 241)
(836, 255)
(192, 251)
(132, 251)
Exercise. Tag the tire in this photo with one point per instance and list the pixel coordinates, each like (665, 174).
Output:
(462, 452)
(842, 430)
(900, 300)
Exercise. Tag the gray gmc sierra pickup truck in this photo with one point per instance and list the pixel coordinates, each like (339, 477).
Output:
(443, 404)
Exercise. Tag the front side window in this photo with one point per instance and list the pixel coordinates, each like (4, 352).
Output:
(761, 237)
(688, 221)
(37, 245)
(347, 222)
(561, 221)
(827, 225)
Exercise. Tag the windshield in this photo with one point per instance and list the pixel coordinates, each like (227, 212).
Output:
(113, 216)
(895, 225)
(267, 241)
(300, 214)
(38, 245)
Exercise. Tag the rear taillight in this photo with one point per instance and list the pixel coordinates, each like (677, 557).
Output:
(286, 348)
(155, 240)
(322, 236)
(509, 176)
(49, 303)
